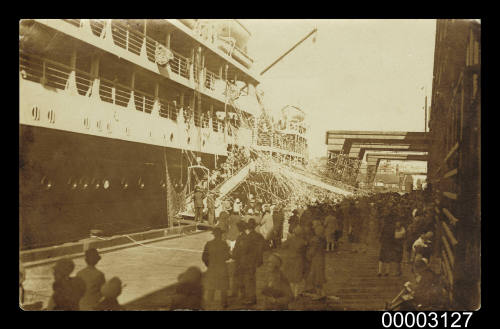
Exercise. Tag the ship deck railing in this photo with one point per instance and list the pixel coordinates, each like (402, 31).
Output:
(133, 40)
(54, 74)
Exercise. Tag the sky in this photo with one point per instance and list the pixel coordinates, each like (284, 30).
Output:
(355, 75)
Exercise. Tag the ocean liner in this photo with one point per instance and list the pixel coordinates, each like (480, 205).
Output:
(115, 113)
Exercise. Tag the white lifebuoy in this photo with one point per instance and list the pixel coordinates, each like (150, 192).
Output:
(162, 54)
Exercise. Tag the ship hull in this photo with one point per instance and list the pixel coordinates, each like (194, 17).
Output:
(73, 183)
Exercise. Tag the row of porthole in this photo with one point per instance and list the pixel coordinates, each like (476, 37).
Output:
(96, 184)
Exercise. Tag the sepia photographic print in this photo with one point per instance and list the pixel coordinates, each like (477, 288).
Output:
(250, 164)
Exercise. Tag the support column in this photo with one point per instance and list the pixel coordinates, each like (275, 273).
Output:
(131, 102)
(167, 40)
(71, 82)
(94, 72)
(156, 104)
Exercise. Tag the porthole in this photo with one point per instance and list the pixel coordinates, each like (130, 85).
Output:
(105, 184)
(140, 183)
(189, 140)
(46, 183)
(84, 183)
(124, 184)
(171, 137)
(72, 183)
(96, 183)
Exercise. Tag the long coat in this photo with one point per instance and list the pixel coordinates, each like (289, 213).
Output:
(316, 254)
(251, 253)
(295, 257)
(266, 226)
(293, 222)
(214, 256)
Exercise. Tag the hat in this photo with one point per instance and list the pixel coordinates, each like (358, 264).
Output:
(64, 267)
(251, 223)
(250, 211)
(112, 288)
(92, 255)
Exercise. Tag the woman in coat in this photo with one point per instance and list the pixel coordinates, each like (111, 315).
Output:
(316, 255)
(386, 245)
(295, 250)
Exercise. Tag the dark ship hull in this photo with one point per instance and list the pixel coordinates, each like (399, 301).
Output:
(72, 183)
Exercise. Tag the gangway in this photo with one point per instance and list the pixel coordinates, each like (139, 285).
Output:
(222, 189)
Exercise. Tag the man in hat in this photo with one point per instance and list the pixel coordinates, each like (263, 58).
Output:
(278, 221)
(215, 255)
(237, 254)
(93, 279)
(198, 204)
(211, 207)
(252, 252)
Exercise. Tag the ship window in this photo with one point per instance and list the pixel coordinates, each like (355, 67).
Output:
(140, 183)
(124, 183)
(46, 183)
(105, 184)
(84, 183)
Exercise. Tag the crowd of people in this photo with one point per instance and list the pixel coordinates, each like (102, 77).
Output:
(252, 233)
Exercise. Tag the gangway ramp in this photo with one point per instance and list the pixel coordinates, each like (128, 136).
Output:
(223, 189)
